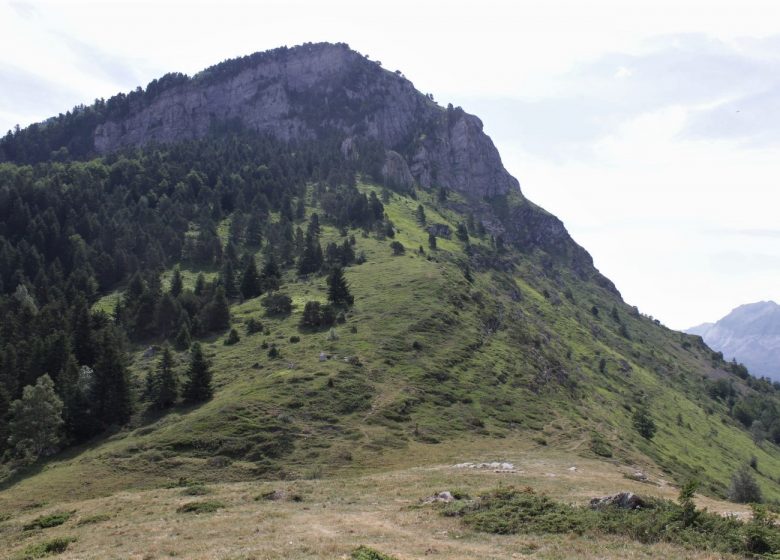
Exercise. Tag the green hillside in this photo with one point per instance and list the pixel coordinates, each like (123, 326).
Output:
(425, 356)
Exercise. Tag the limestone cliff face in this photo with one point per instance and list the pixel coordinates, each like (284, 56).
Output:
(314, 90)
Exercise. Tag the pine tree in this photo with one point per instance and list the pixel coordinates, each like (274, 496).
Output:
(200, 285)
(216, 313)
(68, 390)
(462, 233)
(229, 280)
(111, 391)
(183, 338)
(250, 281)
(177, 284)
(431, 241)
(644, 423)
(198, 386)
(83, 341)
(36, 421)
(420, 215)
(270, 275)
(164, 390)
(338, 289)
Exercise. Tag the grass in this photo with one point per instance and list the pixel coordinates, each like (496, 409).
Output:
(378, 509)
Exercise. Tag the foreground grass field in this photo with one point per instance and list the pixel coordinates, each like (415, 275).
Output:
(329, 518)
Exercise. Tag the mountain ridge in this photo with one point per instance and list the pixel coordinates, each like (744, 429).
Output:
(750, 334)
(466, 324)
(324, 91)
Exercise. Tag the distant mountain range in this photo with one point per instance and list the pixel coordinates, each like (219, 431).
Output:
(750, 334)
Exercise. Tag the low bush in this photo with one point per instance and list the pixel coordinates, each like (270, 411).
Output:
(200, 507)
(46, 521)
(47, 548)
(511, 511)
(366, 553)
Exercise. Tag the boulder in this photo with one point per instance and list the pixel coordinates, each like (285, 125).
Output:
(622, 500)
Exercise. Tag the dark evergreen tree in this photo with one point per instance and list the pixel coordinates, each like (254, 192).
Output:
(183, 338)
(420, 215)
(111, 392)
(270, 276)
(644, 423)
(251, 286)
(228, 280)
(431, 241)
(216, 313)
(198, 386)
(164, 388)
(177, 284)
(338, 289)
(462, 233)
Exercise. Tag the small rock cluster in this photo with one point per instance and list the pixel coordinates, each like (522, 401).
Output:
(494, 466)
(622, 500)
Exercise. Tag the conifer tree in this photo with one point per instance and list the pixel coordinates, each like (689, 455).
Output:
(177, 284)
(270, 275)
(198, 385)
(338, 289)
(111, 391)
(431, 241)
(420, 215)
(250, 281)
(164, 389)
(217, 312)
(229, 280)
(183, 338)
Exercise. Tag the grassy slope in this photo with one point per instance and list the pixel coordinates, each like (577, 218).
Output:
(513, 356)
(335, 515)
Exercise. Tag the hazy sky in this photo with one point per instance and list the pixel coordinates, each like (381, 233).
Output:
(652, 129)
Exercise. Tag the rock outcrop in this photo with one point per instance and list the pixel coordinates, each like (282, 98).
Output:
(314, 91)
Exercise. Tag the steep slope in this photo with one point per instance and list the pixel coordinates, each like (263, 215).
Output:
(476, 318)
(749, 334)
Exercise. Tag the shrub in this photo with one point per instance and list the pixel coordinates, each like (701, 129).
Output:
(46, 521)
(196, 490)
(47, 548)
(200, 507)
(295, 339)
(277, 304)
(316, 315)
(744, 489)
(366, 553)
(253, 326)
(398, 248)
(232, 338)
(511, 511)
(599, 446)
(92, 519)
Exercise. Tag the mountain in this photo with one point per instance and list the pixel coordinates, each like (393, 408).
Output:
(294, 266)
(749, 334)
